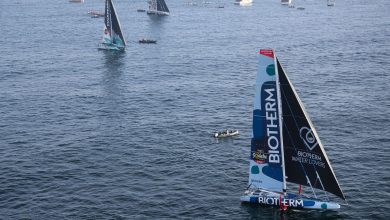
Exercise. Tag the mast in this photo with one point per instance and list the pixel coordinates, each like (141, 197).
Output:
(280, 113)
(111, 22)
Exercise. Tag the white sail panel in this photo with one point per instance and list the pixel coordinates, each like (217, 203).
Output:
(266, 162)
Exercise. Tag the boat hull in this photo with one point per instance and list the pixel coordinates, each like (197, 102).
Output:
(159, 13)
(147, 41)
(110, 47)
(290, 201)
(223, 135)
(243, 3)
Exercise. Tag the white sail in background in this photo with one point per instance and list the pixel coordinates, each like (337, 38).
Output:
(265, 169)
(244, 2)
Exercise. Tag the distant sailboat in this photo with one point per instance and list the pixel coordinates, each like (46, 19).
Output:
(291, 5)
(285, 2)
(76, 1)
(331, 2)
(157, 7)
(220, 5)
(285, 146)
(95, 14)
(243, 2)
(112, 37)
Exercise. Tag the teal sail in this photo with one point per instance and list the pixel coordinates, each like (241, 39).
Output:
(266, 158)
(113, 38)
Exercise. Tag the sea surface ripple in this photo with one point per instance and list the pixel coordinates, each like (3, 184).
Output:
(87, 134)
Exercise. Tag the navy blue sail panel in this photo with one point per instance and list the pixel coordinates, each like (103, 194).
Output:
(303, 151)
(112, 24)
(115, 23)
(161, 6)
(107, 15)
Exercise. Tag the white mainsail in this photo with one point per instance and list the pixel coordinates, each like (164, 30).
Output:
(285, 146)
(265, 169)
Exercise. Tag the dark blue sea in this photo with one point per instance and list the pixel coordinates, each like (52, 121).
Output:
(88, 134)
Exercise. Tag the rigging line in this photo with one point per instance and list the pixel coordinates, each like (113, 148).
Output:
(326, 194)
(294, 116)
(303, 168)
(312, 189)
(296, 124)
(317, 176)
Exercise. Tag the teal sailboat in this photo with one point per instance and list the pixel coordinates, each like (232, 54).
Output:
(285, 147)
(113, 38)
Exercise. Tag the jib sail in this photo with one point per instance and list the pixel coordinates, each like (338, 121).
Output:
(162, 6)
(306, 162)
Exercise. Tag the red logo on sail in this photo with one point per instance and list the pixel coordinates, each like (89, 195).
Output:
(267, 52)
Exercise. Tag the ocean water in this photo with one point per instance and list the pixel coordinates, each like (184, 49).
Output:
(88, 134)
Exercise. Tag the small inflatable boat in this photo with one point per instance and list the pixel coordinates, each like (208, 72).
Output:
(226, 133)
(147, 41)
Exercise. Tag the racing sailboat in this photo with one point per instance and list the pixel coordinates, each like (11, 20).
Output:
(112, 36)
(285, 147)
(157, 7)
